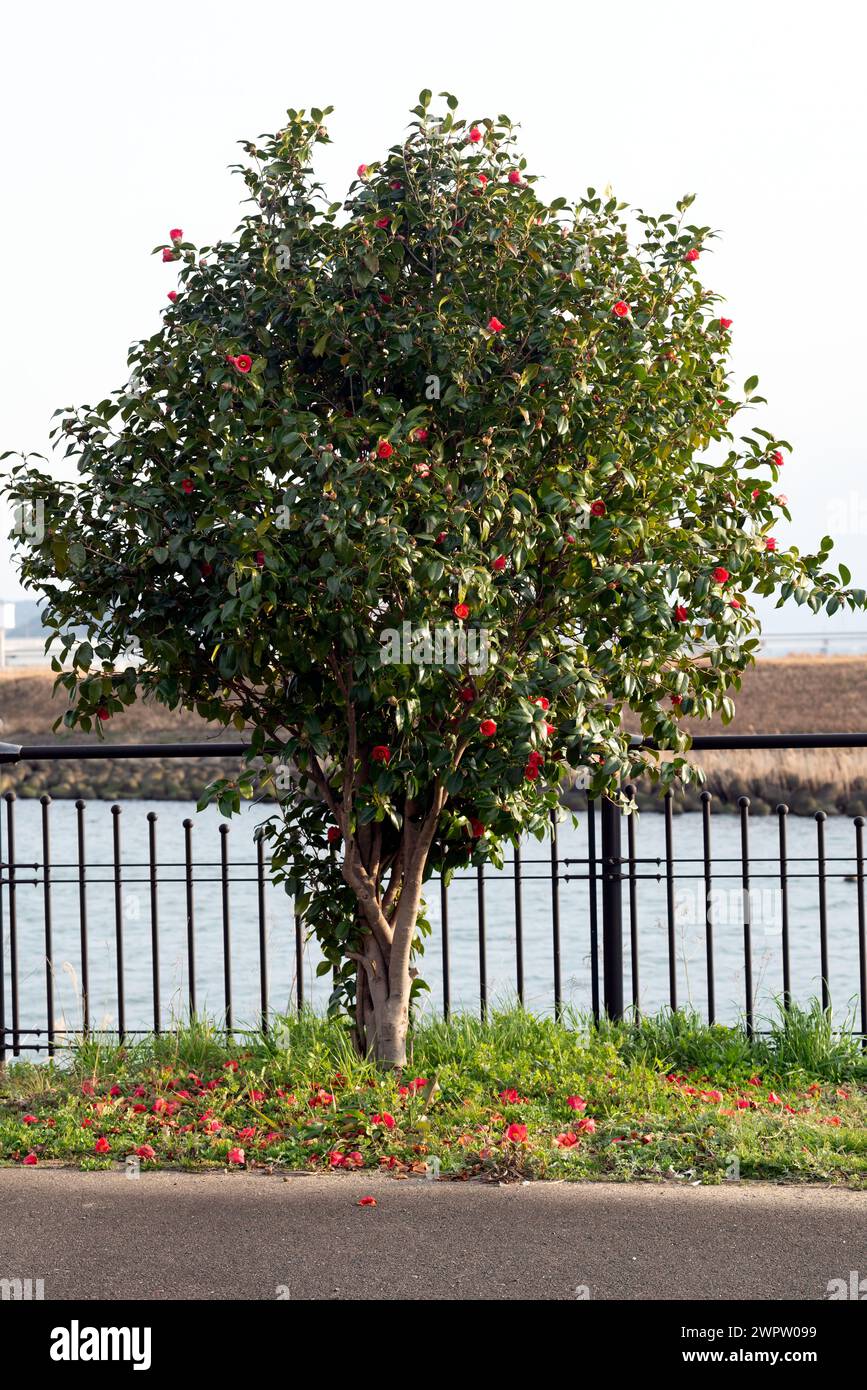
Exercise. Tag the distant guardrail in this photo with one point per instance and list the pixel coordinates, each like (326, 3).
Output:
(22, 652)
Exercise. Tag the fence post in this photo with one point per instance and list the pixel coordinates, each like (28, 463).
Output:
(612, 910)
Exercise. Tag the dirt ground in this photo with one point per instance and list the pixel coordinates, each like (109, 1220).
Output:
(782, 695)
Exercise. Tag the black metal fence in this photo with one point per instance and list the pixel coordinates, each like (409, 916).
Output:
(610, 939)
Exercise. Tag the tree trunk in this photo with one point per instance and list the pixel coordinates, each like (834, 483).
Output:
(382, 1005)
(384, 959)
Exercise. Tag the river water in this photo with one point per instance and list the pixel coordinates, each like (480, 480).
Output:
(728, 910)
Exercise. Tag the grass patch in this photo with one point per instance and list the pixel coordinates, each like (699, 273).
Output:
(517, 1096)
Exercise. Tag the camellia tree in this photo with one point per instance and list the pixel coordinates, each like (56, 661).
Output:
(425, 488)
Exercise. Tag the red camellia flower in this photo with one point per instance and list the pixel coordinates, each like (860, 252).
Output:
(380, 754)
(461, 610)
(691, 255)
(242, 363)
(774, 1099)
(567, 1141)
(487, 728)
(102, 1145)
(235, 1156)
(334, 836)
(483, 180)
(176, 234)
(103, 713)
(29, 1120)
(531, 772)
(756, 494)
(735, 603)
(621, 309)
(477, 830)
(145, 1151)
(499, 564)
(30, 1161)
(168, 254)
(420, 434)
(680, 614)
(467, 694)
(677, 699)
(382, 222)
(777, 458)
(770, 543)
(361, 170)
(725, 324)
(384, 450)
(720, 574)
(587, 1125)
(386, 1120)
(516, 1133)
(475, 135)
(366, 1202)
(597, 508)
(514, 176)
(495, 325)
(172, 295)
(187, 485)
(576, 1102)
(259, 557)
(543, 702)
(441, 537)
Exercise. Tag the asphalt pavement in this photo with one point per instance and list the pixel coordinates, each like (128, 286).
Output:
(248, 1236)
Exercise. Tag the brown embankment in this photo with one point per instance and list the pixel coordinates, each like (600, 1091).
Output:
(784, 695)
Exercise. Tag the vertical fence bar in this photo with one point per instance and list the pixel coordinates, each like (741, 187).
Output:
(82, 919)
(263, 939)
(555, 917)
(862, 936)
(519, 925)
(2, 956)
(612, 910)
(9, 798)
(155, 926)
(483, 948)
(299, 963)
(594, 919)
(820, 819)
(669, 900)
(708, 905)
(227, 932)
(45, 802)
(633, 903)
(444, 928)
(744, 804)
(782, 813)
(118, 922)
(191, 922)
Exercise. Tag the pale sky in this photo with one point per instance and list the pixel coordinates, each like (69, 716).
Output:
(117, 122)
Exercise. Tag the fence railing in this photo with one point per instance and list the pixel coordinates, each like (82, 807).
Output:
(812, 927)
